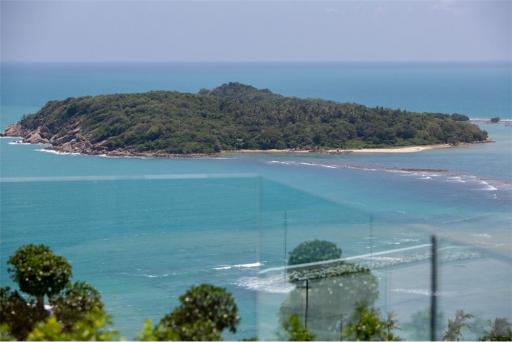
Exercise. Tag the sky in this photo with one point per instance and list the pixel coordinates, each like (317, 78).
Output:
(214, 31)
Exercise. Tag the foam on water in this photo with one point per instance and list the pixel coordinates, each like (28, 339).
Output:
(271, 284)
(422, 292)
(424, 175)
(58, 152)
(18, 142)
(249, 265)
(145, 275)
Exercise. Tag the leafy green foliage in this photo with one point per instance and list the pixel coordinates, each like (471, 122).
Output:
(459, 117)
(75, 302)
(312, 251)
(77, 308)
(295, 330)
(39, 272)
(500, 330)
(205, 311)
(94, 326)
(17, 315)
(147, 333)
(455, 326)
(366, 325)
(5, 333)
(236, 116)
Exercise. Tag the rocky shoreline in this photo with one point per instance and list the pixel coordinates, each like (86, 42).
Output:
(74, 143)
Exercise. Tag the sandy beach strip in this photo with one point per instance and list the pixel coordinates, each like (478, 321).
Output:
(402, 149)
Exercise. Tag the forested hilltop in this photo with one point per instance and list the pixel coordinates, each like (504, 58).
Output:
(232, 116)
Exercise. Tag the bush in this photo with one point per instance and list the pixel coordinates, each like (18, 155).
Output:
(313, 251)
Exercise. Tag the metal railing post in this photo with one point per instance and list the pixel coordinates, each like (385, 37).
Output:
(433, 290)
(307, 305)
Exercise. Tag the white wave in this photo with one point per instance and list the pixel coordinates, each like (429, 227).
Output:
(228, 267)
(320, 165)
(223, 267)
(456, 179)
(422, 292)
(482, 235)
(409, 240)
(385, 258)
(221, 158)
(273, 284)
(487, 186)
(18, 142)
(281, 162)
(145, 275)
(58, 152)
(165, 275)
(400, 241)
(424, 175)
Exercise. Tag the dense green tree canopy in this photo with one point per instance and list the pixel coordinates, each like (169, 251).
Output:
(313, 251)
(95, 325)
(39, 272)
(18, 315)
(232, 117)
(203, 314)
(75, 302)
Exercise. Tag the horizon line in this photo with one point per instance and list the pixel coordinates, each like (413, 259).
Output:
(263, 62)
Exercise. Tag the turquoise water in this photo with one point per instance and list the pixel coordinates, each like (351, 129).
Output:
(143, 240)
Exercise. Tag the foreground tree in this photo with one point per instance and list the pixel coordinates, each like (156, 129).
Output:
(96, 325)
(77, 312)
(18, 316)
(366, 325)
(205, 311)
(295, 330)
(75, 302)
(501, 330)
(39, 272)
(455, 326)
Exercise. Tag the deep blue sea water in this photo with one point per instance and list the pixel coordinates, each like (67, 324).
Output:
(142, 240)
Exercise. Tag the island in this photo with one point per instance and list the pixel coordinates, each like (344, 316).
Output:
(232, 117)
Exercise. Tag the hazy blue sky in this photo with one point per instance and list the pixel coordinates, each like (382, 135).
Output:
(442, 30)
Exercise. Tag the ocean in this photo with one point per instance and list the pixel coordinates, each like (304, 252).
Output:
(144, 230)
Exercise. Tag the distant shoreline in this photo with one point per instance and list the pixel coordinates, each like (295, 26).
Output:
(131, 154)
